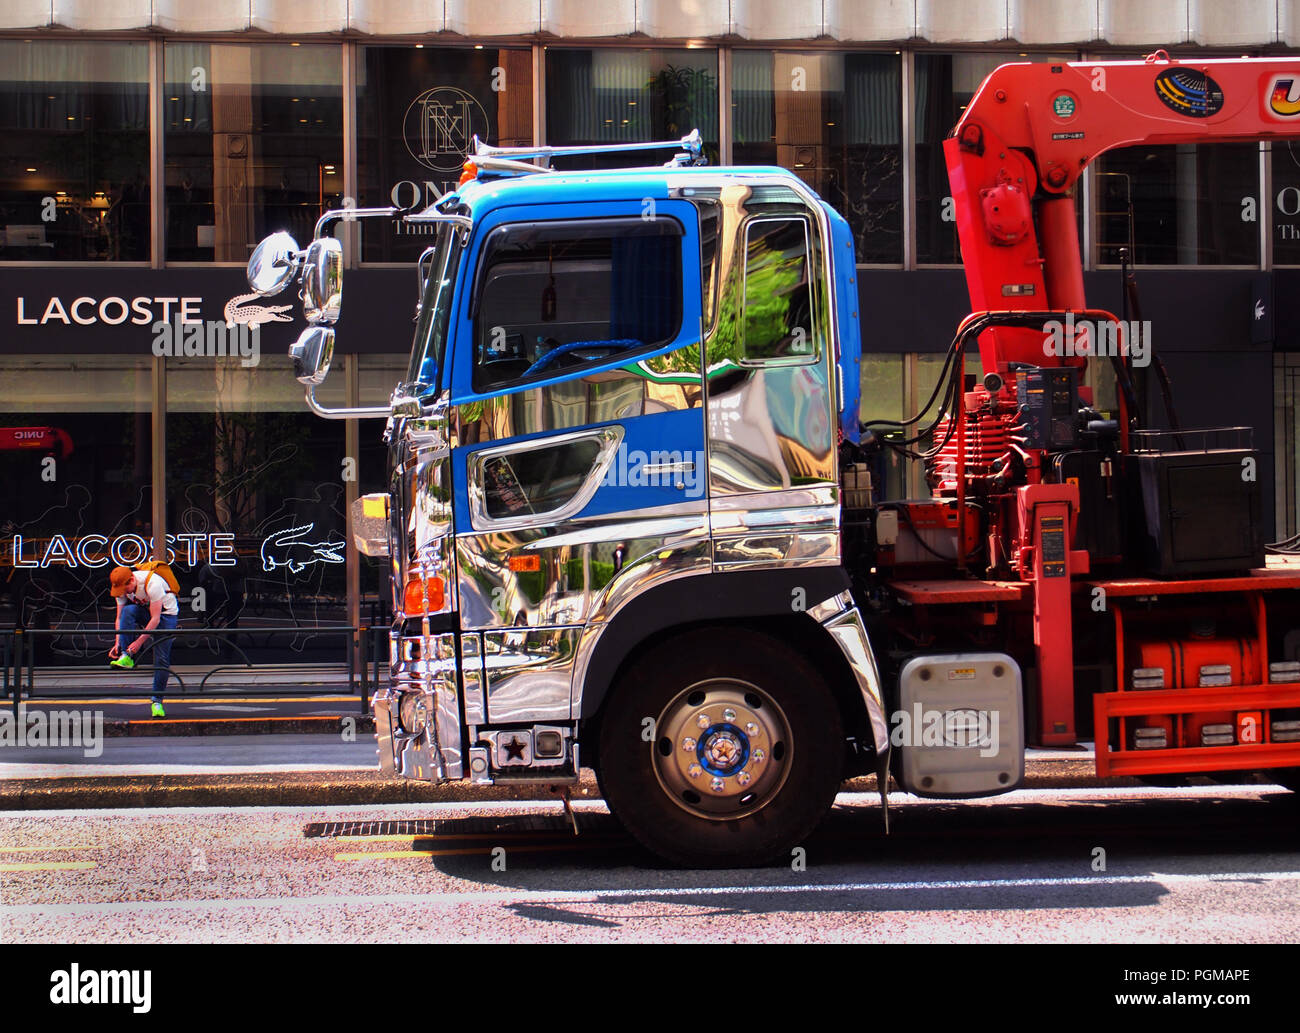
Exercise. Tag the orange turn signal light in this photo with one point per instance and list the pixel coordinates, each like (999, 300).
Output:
(420, 589)
(469, 174)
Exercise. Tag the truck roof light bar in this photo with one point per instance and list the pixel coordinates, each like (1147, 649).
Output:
(692, 150)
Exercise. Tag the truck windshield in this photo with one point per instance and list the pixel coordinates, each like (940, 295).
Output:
(430, 346)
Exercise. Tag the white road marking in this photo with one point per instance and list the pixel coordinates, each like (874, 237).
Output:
(655, 892)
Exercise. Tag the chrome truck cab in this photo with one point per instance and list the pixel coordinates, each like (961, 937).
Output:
(613, 518)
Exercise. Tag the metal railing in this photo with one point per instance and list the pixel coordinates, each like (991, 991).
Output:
(363, 651)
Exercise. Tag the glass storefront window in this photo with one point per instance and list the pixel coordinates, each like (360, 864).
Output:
(945, 84)
(1284, 206)
(1189, 204)
(630, 96)
(833, 118)
(245, 458)
(418, 110)
(75, 181)
(253, 142)
(75, 475)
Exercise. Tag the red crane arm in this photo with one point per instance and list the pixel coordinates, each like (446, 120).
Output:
(1031, 129)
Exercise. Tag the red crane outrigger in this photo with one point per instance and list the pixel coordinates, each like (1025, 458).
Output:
(1013, 161)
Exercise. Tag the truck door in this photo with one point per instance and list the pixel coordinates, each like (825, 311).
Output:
(771, 387)
(578, 437)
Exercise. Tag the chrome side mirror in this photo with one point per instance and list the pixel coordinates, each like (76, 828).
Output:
(322, 281)
(311, 354)
(273, 265)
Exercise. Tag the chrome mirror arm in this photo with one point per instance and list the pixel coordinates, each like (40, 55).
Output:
(374, 412)
(349, 215)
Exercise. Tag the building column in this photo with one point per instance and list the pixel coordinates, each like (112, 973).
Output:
(351, 450)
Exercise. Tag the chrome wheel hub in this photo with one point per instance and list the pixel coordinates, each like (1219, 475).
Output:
(723, 749)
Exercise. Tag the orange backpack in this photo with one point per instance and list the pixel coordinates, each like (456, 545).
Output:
(163, 571)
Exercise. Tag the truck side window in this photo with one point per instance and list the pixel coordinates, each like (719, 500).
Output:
(778, 314)
(553, 296)
(536, 481)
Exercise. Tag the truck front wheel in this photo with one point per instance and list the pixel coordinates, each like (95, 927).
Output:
(721, 749)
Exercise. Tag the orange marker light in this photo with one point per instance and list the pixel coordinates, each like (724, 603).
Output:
(416, 589)
(470, 173)
(525, 563)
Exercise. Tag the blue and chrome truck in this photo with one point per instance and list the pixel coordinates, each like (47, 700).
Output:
(634, 523)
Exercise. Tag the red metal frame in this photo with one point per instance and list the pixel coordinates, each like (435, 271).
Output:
(1179, 703)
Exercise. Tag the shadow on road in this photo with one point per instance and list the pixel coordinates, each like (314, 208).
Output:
(938, 857)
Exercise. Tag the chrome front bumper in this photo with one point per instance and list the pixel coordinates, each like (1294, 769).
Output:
(433, 751)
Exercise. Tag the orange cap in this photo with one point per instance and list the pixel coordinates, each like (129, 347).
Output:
(120, 580)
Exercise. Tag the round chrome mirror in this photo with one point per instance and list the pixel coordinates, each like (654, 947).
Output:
(311, 354)
(273, 265)
(322, 281)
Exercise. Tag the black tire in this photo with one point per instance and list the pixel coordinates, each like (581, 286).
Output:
(803, 732)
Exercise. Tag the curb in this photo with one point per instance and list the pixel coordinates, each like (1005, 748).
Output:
(200, 726)
(309, 788)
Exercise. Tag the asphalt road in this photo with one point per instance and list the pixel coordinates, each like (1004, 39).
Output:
(1181, 865)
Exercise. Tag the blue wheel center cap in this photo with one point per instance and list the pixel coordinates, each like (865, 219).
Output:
(722, 750)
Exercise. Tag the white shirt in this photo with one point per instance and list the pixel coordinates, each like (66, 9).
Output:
(149, 588)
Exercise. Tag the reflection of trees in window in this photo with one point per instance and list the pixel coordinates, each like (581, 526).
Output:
(777, 310)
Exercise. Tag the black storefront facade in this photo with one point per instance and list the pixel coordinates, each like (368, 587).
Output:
(138, 168)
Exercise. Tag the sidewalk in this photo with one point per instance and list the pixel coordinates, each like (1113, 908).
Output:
(215, 715)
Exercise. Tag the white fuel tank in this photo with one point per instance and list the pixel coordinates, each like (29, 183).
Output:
(960, 725)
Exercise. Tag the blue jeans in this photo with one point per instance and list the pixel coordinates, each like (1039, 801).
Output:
(136, 617)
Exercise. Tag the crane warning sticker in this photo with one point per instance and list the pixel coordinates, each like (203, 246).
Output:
(1189, 92)
(1063, 106)
(1052, 545)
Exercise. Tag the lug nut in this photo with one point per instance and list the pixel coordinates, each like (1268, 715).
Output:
(695, 771)
(717, 785)
(728, 714)
(688, 744)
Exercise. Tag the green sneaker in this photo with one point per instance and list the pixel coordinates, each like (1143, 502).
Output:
(124, 661)
(157, 710)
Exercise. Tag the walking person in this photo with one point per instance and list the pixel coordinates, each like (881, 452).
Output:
(146, 601)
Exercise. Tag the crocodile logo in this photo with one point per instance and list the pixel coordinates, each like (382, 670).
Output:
(288, 548)
(253, 316)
